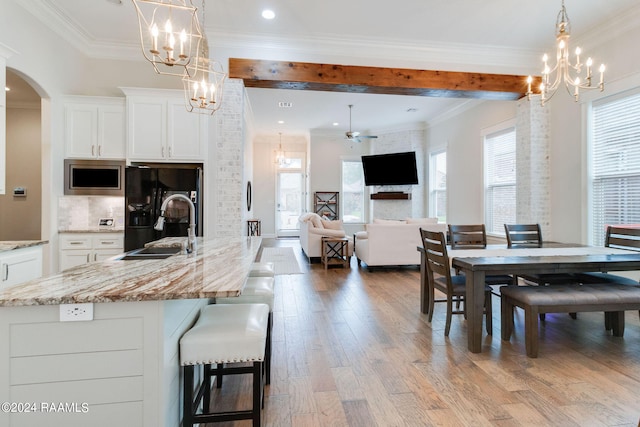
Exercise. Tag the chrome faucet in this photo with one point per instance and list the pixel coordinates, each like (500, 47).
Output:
(191, 234)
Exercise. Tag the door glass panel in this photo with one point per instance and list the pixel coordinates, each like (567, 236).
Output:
(289, 206)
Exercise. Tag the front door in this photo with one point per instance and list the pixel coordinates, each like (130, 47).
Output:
(290, 197)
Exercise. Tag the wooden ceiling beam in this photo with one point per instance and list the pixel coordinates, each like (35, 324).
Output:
(376, 80)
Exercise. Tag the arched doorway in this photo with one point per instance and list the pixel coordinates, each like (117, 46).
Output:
(21, 205)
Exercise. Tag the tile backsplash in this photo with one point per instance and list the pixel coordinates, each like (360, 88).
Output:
(84, 212)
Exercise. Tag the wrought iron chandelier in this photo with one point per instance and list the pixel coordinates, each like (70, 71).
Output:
(169, 34)
(573, 76)
(203, 80)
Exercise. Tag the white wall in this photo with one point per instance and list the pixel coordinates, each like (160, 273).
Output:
(462, 137)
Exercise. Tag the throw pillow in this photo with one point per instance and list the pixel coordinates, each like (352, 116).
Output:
(313, 218)
(332, 225)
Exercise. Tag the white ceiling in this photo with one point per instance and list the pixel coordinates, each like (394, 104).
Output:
(470, 35)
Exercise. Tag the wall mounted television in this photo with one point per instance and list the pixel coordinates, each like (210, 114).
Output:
(390, 169)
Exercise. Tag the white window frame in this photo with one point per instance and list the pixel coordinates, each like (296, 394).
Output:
(343, 195)
(613, 124)
(507, 127)
(433, 191)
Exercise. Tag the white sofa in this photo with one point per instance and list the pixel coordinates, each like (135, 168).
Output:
(313, 228)
(390, 242)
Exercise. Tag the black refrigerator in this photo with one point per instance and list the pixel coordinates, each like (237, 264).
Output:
(146, 187)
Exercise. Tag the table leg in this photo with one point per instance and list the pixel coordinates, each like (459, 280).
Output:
(474, 305)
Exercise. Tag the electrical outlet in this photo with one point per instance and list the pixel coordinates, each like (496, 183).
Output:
(76, 312)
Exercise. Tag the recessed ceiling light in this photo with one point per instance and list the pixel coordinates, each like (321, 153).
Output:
(268, 14)
(6, 88)
(336, 123)
(280, 122)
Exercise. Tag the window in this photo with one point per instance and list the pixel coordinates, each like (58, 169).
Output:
(615, 164)
(500, 179)
(352, 191)
(438, 186)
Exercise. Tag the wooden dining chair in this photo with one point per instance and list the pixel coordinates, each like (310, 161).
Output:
(530, 236)
(474, 236)
(440, 278)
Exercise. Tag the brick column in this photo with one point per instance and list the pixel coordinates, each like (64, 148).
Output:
(229, 148)
(533, 190)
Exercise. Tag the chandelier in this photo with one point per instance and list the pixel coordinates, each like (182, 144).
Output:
(281, 157)
(169, 34)
(573, 76)
(203, 80)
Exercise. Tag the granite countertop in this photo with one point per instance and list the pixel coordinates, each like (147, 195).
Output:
(92, 230)
(9, 245)
(217, 269)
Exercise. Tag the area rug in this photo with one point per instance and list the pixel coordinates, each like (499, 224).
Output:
(283, 259)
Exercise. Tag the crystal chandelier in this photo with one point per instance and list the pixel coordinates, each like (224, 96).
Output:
(573, 76)
(169, 34)
(203, 80)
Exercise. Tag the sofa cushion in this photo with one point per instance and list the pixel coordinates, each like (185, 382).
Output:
(422, 220)
(332, 225)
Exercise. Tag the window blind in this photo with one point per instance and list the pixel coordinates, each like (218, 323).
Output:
(615, 165)
(500, 179)
(438, 186)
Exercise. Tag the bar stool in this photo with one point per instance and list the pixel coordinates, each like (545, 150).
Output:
(262, 269)
(223, 334)
(257, 290)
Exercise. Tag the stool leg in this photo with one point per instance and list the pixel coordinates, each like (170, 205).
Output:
(257, 393)
(268, 349)
(207, 388)
(219, 367)
(187, 404)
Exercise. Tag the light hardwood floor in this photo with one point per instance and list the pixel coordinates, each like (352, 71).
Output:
(352, 349)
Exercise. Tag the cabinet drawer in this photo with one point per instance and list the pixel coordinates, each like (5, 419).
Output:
(115, 241)
(72, 241)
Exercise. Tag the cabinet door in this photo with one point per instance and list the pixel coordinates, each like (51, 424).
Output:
(111, 132)
(71, 258)
(184, 134)
(104, 254)
(147, 129)
(20, 265)
(81, 136)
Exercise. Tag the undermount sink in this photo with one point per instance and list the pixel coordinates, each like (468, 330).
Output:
(150, 253)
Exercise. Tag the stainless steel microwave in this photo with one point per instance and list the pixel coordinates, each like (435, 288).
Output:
(94, 177)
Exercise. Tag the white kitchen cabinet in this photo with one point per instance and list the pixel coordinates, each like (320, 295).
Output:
(82, 248)
(20, 265)
(95, 128)
(160, 128)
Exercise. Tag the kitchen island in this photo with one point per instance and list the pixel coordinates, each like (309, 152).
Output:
(121, 367)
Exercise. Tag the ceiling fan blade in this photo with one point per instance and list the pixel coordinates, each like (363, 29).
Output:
(368, 136)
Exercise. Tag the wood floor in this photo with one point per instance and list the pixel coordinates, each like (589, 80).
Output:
(352, 349)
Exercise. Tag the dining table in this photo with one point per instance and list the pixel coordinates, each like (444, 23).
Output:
(550, 258)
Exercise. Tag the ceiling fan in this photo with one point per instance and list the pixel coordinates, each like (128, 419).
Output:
(355, 136)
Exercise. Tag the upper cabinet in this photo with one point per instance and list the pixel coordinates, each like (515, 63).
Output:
(160, 128)
(95, 128)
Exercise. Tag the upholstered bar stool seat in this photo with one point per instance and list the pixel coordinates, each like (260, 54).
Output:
(262, 269)
(257, 290)
(224, 334)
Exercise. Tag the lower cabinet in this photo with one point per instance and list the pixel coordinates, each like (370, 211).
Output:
(20, 265)
(82, 248)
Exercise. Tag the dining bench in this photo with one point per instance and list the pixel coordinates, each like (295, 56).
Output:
(611, 298)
